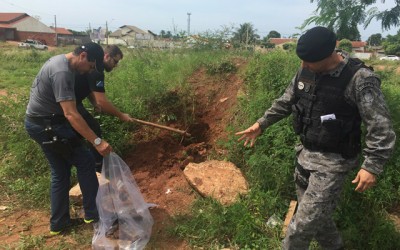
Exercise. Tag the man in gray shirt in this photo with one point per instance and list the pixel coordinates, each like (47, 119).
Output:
(53, 121)
(329, 98)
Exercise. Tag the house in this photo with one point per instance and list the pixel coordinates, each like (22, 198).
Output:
(358, 46)
(21, 26)
(130, 35)
(65, 37)
(62, 32)
(280, 41)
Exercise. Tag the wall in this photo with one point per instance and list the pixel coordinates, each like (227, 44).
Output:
(46, 38)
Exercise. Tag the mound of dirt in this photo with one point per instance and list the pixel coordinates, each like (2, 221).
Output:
(158, 164)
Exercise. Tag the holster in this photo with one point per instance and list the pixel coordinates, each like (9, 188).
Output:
(62, 146)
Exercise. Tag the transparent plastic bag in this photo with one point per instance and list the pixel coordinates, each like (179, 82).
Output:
(125, 221)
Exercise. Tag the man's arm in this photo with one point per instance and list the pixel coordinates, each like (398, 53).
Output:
(79, 124)
(281, 108)
(380, 137)
(104, 105)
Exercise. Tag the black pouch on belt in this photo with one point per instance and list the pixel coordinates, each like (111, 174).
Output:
(301, 176)
(59, 145)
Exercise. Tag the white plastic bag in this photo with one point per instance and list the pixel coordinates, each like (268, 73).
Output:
(125, 221)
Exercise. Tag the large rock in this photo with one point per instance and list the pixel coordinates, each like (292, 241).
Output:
(75, 193)
(221, 180)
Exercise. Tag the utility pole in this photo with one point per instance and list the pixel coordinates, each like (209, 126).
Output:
(106, 33)
(55, 29)
(188, 28)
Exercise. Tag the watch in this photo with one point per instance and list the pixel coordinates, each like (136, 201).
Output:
(97, 141)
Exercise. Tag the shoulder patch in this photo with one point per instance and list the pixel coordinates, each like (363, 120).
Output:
(100, 84)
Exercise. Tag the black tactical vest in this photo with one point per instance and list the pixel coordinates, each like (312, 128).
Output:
(323, 118)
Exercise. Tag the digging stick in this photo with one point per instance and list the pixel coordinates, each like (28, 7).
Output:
(162, 127)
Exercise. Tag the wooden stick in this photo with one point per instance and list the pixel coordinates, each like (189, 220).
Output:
(162, 127)
(289, 215)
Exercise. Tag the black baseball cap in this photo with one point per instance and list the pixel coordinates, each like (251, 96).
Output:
(316, 44)
(95, 53)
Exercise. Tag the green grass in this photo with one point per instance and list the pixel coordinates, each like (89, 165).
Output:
(153, 86)
(269, 166)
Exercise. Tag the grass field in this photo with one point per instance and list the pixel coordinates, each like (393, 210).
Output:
(142, 86)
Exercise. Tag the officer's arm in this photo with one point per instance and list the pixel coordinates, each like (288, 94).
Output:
(104, 105)
(380, 137)
(80, 125)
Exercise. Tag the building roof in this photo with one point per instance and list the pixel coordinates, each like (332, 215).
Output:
(358, 44)
(62, 31)
(128, 29)
(135, 29)
(8, 18)
(7, 26)
(278, 41)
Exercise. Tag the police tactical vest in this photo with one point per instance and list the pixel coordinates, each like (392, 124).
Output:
(325, 121)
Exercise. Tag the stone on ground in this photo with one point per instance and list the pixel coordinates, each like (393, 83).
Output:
(221, 180)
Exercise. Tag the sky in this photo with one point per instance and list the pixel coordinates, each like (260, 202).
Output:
(283, 16)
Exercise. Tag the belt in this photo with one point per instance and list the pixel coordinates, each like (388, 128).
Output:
(46, 120)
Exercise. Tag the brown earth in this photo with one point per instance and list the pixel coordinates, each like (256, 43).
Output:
(157, 162)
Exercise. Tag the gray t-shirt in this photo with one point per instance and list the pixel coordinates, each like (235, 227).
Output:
(53, 84)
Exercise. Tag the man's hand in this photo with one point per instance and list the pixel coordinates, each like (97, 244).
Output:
(125, 117)
(250, 134)
(365, 180)
(104, 148)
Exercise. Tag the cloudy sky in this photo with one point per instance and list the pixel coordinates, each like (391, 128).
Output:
(169, 15)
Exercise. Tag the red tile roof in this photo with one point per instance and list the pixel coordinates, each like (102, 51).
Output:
(278, 41)
(62, 31)
(358, 44)
(5, 26)
(11, 17)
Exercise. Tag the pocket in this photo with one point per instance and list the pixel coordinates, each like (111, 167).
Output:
(331, 133)
(300, 179)
(62, 147)
(297, 112)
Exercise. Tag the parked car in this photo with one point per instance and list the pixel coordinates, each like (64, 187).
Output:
(390, 58)
(29, 43)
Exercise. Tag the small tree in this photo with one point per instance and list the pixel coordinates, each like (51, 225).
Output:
(290, 46)
(391, 45)
(273, 34)
(345, 45)
(375, 40)
(245, 35)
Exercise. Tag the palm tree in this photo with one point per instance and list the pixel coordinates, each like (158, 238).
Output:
(343, 16)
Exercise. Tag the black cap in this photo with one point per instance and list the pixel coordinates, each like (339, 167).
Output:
(316, 44)
(95, 53)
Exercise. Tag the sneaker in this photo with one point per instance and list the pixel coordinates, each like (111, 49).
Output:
(90, 221)
(53, 233)
(72, 223)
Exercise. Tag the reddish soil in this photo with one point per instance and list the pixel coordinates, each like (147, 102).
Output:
(157, 162)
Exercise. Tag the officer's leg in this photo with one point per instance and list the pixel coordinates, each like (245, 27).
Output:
(314, 213)
(85, 165)
(60, 172)
(59, 194)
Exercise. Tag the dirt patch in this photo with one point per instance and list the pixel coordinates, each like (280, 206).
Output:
(157, 163)
(385, 67)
